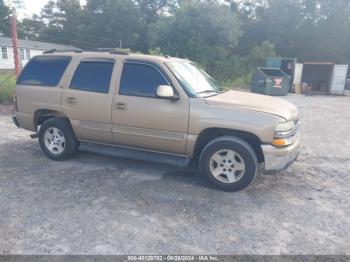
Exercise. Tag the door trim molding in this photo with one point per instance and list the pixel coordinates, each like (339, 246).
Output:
(95, 126)
(148, 133)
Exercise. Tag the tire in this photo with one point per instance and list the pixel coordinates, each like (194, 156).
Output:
(229, 164)
(57, 139)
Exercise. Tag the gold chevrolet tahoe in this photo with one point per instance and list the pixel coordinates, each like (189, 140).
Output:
(159, 106)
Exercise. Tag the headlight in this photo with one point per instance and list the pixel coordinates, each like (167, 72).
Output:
(286, 134)
(284, 127)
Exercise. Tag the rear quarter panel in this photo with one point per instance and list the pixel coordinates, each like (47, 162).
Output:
(30, 99)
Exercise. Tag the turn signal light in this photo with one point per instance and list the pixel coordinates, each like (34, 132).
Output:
(280, 142)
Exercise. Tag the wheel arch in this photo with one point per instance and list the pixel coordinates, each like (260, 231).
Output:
(210, 134)
(41, 115)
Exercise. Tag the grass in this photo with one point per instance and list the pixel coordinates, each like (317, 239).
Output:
(7, 87)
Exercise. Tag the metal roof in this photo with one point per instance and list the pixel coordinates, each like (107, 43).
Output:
(7, 41)
(319, 63)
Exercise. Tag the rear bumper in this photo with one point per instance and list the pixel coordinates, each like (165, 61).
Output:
(24, 120)
(278, 159)
(15, 121)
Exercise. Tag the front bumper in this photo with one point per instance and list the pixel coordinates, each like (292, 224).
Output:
(278, 159)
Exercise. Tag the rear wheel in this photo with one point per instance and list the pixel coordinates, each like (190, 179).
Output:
(57, 139)
(229, 164)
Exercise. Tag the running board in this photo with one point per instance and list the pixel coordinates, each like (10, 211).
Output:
(135, 154)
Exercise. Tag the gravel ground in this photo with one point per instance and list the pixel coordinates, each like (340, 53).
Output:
(102, 205)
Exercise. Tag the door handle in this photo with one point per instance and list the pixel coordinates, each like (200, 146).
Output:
(71, 101)
(120, 106)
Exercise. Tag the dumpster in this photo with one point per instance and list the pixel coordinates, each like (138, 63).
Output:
(287, 65)
(270, 81)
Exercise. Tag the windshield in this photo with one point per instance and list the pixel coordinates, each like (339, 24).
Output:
(195, 80)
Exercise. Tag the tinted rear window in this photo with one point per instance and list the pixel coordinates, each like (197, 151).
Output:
(93, 76)
(44, 70)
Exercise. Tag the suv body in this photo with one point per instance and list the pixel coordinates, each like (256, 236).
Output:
(158, 104)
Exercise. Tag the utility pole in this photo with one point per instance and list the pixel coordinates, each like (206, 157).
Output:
(15, 44)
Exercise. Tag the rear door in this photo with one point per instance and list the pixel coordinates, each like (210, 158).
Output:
(339, 78)
(87, 99)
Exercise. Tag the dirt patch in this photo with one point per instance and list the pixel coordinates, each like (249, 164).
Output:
(7, 109)
(94, 204)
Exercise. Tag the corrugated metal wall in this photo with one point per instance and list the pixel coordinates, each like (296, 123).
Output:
(339, 78)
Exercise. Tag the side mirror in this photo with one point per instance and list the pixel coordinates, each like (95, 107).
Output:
(166, 92)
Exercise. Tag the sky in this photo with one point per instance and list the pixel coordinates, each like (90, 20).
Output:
(33, 6)
(30, 7)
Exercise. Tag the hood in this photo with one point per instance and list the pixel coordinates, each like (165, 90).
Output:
(255, 102)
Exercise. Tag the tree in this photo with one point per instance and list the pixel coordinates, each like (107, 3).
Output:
(259, 54)
(63, 19)
(204, 31)
(31, 28)
(277, 21)
(327, 35)
(227, 37)
(4, 19)
(109, 23)
(102, 23)
(150, 12)
(306, 29)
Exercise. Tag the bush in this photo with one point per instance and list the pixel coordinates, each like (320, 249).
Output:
(156, 51)
(242, 82)
(242, 68)
(7, 87)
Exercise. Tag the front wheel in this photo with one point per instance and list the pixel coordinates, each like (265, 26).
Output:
(57, 139)
(229, 164)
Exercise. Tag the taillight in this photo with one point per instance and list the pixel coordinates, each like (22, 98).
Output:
(15, 101)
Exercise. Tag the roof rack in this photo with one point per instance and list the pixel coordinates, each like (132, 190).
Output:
(77, 50)
(119, 52)
(104, 49)
(114, 51)
(55, 50)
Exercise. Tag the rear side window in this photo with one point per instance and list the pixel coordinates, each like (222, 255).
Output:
(93, 76)
(140, 80)
(44, 71)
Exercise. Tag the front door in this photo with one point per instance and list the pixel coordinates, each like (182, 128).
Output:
(88, 100)
(140, 119)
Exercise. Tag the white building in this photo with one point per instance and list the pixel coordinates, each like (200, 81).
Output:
(27, 49)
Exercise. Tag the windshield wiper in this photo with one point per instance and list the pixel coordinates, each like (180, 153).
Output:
(208, 91)
(215, 93)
